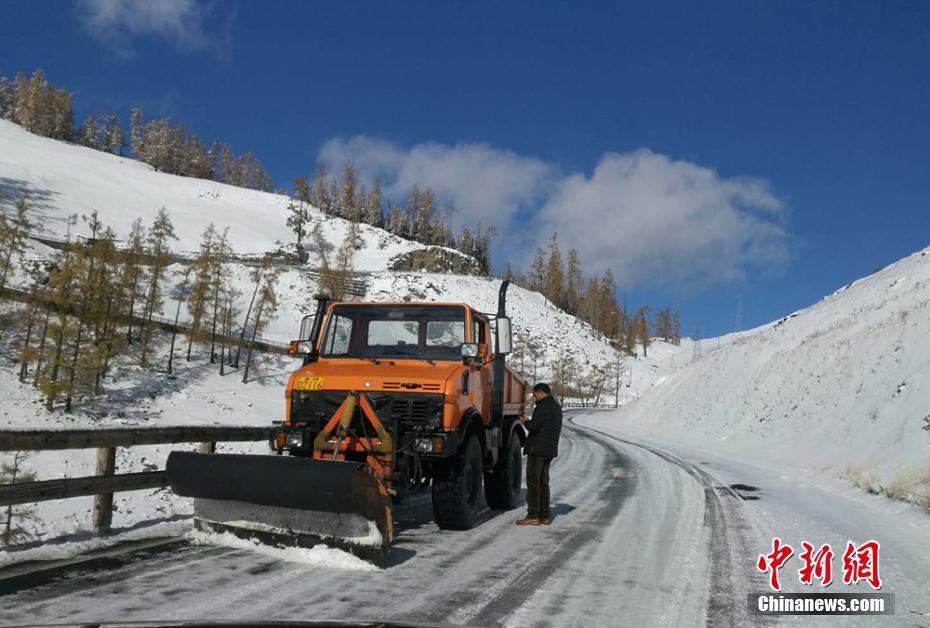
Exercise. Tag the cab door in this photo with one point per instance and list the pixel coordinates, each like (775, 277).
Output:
(481, 384)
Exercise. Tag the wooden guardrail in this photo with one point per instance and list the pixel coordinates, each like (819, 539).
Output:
(107, 482)
(355, 284)
(23, 295)
(579, 404)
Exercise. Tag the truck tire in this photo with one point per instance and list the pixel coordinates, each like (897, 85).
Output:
(502, 485)
(456, 500)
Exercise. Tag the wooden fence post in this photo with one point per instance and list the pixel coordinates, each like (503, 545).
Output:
(207, 448)
(103, 503)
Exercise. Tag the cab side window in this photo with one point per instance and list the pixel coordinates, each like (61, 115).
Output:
(478, 332)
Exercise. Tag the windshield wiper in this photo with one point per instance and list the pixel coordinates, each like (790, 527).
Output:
(358, 356)
(410, 355)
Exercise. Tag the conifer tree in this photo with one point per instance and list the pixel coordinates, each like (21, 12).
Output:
(423, 210)
(132, 275)
(267, 304)
(554, 272)
(334, 206)
(31, 318)
(321, 198)
(87, 286)
(227, 319)
(642, 328)
(374, 216)
(88, 133)
(257, 276)
(43, 336)
(394, 221)
(351, 207)
(159, 255)
(136, 132)
(219, 284)
(114, 139)
(199, 296)
(180, 296)
(105, 310)
(61, 326)
(573, 283)
(537, 276)
(297, 219)
(13, 234)
(6, 98)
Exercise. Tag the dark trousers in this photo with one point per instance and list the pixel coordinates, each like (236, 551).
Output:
(537, 487)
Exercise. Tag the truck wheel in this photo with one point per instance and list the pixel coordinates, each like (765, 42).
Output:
(456, 500)
(502, 485)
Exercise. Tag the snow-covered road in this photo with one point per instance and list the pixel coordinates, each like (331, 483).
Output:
(643, 535)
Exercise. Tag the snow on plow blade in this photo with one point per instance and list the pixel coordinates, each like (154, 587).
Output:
(287, 501)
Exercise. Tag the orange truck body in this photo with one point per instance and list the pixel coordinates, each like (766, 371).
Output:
(407, 416)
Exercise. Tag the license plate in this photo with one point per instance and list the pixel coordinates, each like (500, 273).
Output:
(311, 382)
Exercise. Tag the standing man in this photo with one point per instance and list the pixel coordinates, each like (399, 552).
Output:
(542, 445)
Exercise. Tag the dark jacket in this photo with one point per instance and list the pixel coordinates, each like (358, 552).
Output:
(544, 429)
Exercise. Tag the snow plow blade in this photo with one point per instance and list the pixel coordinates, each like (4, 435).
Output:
(287, 501)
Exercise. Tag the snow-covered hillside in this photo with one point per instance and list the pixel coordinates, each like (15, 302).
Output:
(63, 179)
(842, 386)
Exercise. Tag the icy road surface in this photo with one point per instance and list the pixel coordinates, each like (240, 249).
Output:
(643, 536)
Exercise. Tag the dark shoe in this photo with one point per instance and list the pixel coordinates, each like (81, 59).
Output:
(527, 521)
(546, 521)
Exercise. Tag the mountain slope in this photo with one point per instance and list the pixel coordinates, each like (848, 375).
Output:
(62, 179)
(841, 385)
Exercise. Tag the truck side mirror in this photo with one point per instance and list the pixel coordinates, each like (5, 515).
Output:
(504, 339)
(304, 344)
(299, 347)
(306, 327)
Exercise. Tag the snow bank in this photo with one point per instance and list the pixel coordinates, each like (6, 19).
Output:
(69, 548)
(318, 556)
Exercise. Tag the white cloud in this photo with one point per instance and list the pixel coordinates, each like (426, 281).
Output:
(486, 184)
(642, 214)
(117, 23)
(648, 217)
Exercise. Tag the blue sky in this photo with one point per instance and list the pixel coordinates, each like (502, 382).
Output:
(771, 151)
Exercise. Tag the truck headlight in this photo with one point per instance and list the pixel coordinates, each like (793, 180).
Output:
(424, 445)
(295, 440)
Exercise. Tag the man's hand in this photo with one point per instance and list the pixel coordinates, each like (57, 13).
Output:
(522, 418)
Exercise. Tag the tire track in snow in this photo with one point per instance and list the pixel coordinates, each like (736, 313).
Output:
(521, 585)
(729, 546)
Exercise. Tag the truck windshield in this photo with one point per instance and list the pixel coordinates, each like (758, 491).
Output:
(434, 332)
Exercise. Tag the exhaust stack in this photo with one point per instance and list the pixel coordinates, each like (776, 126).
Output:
(500, 360)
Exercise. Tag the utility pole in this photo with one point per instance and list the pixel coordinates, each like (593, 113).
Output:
(617, 388)
(72, 220)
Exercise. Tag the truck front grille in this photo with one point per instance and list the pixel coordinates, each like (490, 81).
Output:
(410, 410)
(397, 410)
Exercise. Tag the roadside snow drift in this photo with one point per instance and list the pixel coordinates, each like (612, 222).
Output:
(842, 385)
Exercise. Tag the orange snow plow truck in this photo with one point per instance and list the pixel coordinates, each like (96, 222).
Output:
(391, 398)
